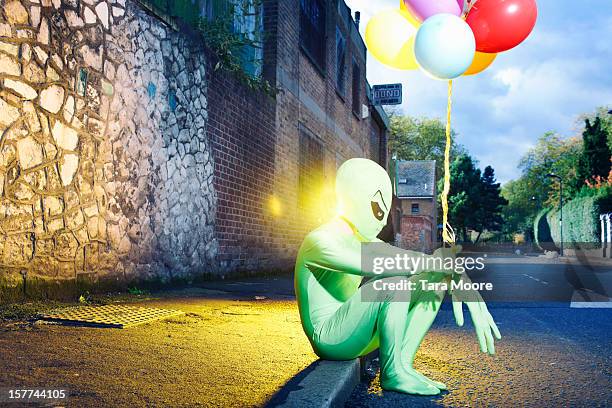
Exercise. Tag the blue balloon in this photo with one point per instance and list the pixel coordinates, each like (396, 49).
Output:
(444, 46)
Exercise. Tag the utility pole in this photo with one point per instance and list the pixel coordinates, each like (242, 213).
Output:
(552, 175)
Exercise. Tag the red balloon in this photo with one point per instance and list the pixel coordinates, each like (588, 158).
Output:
(500, 25)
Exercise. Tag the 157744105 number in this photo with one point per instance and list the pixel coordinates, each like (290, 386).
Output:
(30, 394)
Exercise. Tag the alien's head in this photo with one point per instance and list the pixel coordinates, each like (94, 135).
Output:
(363, 191)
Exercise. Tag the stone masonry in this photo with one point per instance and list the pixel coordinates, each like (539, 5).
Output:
(106, 170)
(125, 155)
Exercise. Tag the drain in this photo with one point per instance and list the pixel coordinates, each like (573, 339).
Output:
(113, 316)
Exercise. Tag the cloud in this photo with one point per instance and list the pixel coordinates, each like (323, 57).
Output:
(509, 77)
(561, 71)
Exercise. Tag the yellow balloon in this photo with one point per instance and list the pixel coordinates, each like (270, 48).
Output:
(481, 62)
(389, 37)
(403, 6)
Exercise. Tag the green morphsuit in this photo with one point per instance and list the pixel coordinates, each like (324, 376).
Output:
(328, 283)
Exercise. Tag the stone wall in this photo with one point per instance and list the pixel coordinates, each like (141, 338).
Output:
(124, 155)
(106, 170)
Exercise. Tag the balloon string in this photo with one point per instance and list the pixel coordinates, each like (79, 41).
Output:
(448, 234)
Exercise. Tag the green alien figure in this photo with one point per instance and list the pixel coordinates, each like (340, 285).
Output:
(339, 323)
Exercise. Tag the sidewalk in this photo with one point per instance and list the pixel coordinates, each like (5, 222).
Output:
(238, 343)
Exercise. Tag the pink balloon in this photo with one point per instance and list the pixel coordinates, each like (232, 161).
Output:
(461, 4)
(423, 9)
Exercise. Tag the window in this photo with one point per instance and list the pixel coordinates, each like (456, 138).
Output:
(310, 170)
(248, 20)
(312, 30)
(340, 62)
(375, 142)
(356, 89)
(415, 208)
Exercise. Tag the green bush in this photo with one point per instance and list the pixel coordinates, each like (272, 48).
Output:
(581, 224)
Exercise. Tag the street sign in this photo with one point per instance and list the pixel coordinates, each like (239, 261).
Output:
(389, 94)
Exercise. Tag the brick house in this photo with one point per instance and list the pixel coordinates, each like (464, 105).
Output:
(281, 186)
(416, 212)
(127, 156)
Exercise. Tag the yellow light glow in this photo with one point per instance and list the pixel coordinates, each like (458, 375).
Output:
(339, 210)
(390, 38)
(275, 206)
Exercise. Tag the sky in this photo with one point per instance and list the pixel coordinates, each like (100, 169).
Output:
(562, 70)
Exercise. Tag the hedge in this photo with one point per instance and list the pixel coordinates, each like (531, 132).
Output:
(581, 224)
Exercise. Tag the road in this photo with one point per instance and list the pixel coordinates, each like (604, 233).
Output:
(232, 348)
(241, 341)
(556, 323)
(528, 279)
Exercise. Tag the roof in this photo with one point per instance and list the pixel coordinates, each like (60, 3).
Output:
(416, 179)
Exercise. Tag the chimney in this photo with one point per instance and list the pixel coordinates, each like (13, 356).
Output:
(357, 18)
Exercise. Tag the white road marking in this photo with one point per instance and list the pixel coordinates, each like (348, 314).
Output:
(591, 305)
(536, 279)
(580, 300)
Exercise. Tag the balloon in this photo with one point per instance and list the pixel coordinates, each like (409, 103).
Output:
(461, 4)
(444, 46)
(481, 62)
(500, 25)
(389, 36)
(423, 9)
(402, 5)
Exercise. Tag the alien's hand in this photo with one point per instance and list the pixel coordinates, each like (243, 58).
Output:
(483, 321)
(444, 252)
(447, 253)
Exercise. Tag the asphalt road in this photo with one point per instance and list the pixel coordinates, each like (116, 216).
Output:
(555, 350)
(232, 348)
(525, 279)
(240, 341)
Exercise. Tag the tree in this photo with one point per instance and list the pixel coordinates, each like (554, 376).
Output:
(491, 204)
(463, 198)
(474, 201)
(606, 120)
(551, 154)
(534, 191)
(569, 158)
(523, 206)
(595, 156)
(420, 139)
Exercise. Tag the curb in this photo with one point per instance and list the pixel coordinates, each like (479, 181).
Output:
(322, 384)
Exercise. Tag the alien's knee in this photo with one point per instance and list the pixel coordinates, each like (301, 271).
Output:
(386, 290)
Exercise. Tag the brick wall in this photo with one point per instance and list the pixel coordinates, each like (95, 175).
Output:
(308, 104)
(241, 127)
(416, 233)
(418, 230)
(261, 221)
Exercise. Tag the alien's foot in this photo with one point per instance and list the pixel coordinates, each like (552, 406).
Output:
(437, 384)
(407, 383)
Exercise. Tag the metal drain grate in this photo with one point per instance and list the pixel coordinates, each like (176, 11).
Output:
(116, 316)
